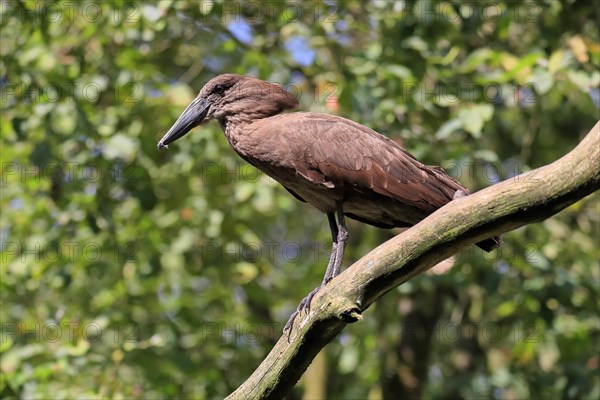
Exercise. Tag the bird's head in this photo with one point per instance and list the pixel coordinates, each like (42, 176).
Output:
(227, 96)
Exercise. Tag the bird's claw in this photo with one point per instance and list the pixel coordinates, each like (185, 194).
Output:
(303, 306)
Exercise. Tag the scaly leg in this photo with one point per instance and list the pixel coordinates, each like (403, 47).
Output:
(339, 235)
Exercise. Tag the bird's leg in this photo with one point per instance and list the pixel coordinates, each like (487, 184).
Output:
(332, 265)
(332, 258)
(339, 235)
(305, 303)
(340, 243)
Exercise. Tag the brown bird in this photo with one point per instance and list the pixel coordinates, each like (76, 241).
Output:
(338, 166)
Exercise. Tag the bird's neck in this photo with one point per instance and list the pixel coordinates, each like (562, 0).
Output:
(243, 134)
(233, 127)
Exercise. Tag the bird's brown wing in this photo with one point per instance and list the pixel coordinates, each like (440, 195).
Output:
(339, 154)
(336, 152)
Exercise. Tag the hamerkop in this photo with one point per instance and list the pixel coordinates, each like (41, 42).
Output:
(340, 167)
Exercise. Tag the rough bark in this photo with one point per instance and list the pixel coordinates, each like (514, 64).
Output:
(524, 199)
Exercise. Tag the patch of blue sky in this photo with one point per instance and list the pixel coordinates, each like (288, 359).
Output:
(595, 95)
(90, 189)
(300, 50)
(17, 203)
(297, 77)
(241, 30)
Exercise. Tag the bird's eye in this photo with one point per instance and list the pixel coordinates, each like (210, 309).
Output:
(219, 89)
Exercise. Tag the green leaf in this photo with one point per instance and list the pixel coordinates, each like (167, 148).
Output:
(448, 128)
(473, 118)
(542, 80)
(120, 146)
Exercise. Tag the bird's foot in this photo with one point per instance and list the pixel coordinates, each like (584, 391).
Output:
(303, 306)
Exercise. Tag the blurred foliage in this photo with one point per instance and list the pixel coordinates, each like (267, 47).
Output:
(132, 273)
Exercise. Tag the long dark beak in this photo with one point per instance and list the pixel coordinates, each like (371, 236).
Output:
(188, 120)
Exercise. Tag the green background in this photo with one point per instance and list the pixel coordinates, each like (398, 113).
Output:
(132, 273)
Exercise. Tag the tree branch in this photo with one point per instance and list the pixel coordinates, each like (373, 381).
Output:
(527, 198)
